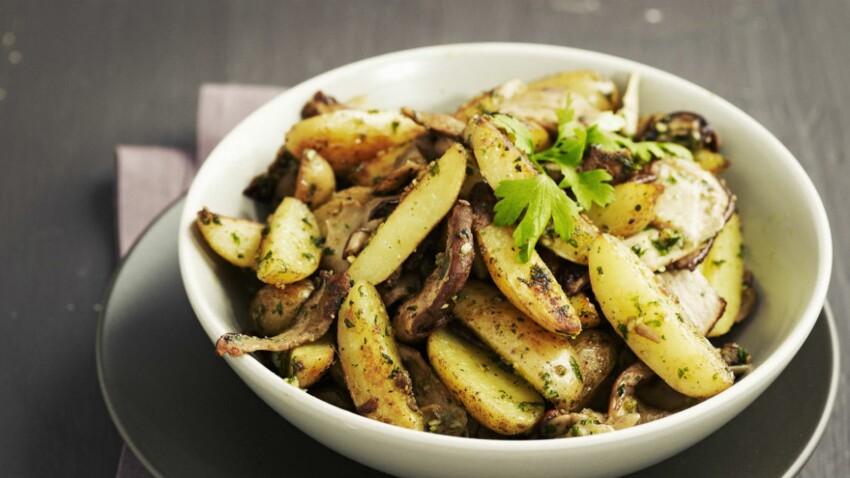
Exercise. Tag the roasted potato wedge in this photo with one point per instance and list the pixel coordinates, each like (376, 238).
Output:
(235, 240)
(307, 363)
(547, 361)
(292, 248)
(273, 309)
(316, 182)
(652, 323)
(416, 215)
(496, 397)
(530, 286)
(632, 209)
(379, 384)
(724, 269)
(347, 137)
(498, 159)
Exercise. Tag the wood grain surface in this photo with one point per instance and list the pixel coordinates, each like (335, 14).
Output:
(79, 77)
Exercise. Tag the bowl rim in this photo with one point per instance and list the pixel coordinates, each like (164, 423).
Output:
(753, 383)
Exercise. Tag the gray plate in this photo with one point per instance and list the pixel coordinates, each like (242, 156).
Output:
(185, 413)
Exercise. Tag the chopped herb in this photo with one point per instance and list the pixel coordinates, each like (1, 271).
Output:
(541, 200)
(387, 358)
(576, 369)
(348, 323)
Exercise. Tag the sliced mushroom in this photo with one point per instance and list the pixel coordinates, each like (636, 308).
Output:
(346, 212)
(321, 103)
(312, 322)
(442, 413)
(630, 111)
(683, 127)
(359, 238)
(418, 316)
(561, 424)
(277, 182)
(737, 357)
(749, 297)
(701, 303)
(597, 353)
(408, 167)
(624, 399)
(619, 164)
(691, 210)
(445, 125)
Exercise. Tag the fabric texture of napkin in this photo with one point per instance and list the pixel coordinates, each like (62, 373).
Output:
(149, 178)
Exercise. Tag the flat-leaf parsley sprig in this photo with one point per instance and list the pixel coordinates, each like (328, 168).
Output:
(541, 199)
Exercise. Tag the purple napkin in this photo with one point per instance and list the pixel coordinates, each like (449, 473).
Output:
(149, 178)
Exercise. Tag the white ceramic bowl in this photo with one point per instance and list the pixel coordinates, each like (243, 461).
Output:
(785, 227)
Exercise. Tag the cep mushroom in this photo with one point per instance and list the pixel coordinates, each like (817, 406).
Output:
(418, 316)
(312, 322)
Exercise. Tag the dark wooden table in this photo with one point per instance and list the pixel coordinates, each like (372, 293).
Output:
(78, 77)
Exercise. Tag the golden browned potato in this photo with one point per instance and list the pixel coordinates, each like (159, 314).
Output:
(632, 209)
(498, 160)
(496, 397)
(547, 361)
(307, 363)
(724, 269)
(315, 183)
(291, 249)
(652, 323)
(273, 309)
(348, 137)
(235, 240)
(416, 215)
(379, 384)
(530, 286)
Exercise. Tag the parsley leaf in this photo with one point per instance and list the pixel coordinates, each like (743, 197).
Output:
(542, 200)
(519, 133)
(539, 200)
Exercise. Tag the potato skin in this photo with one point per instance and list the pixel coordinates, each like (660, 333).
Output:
(631, 210)
(345, 138)
(308, 363)
(724, 269)
(530, 286)
(235, 240)
(547, 361)
(652, 323)
(417, 214)
(379, 384)
(291, 249)
(497, 398)
(498, 159)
